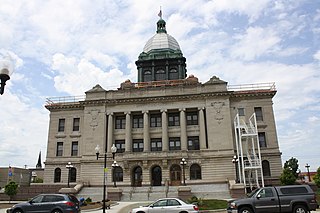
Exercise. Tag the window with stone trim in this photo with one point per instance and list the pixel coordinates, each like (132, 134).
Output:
(76, 124)
(173, 74)
(262, 139)
(193, 143)
(61, 124)
(120, 122)
(73, 175)
(174, 144)
(120, 144)
(59, 150)
(195, 172)
(241, 111)
(117, 174)
(258, 112)
(57, 175)
(160, 75)
(156, 144)
(266, 168)
(137, 121)
(137, 145)
(155, 120)
(174, 119)
(147, 76)
(192, 118)
(74, 148)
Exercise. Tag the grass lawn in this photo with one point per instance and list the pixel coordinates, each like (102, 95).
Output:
(213, 204)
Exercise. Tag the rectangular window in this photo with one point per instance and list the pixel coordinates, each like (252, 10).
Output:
(155, 120)
(192, 118)
(76, 124)
(120, 144)
(174, 119)
(241, 112)
(174, 144)
(137, 145)
(137, 121)
(59, 151)
(262, 139)
(156, 144)
(120, 122)
(258, 111)
(74, 148)
(61, 125)
(193, 143)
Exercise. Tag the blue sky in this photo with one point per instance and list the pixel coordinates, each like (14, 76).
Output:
(65, 47)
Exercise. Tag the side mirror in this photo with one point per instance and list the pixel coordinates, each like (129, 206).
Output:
(258, 196)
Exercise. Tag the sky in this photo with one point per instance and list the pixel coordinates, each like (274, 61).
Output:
(66, 47)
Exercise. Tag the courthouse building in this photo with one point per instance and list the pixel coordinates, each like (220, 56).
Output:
(156, 122)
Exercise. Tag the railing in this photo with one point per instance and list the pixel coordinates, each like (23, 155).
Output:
(248, 87)
(64, 100)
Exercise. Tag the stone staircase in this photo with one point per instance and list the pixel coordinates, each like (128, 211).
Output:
(147, 193)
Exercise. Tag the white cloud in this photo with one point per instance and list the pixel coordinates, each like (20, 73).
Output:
(317, 55)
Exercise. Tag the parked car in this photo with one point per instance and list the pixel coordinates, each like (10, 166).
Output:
(172, 205)
(296, 199)
(51, 203)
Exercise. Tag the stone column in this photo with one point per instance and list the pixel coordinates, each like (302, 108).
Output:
(128, 141)
(110, 132)
(164, 124)
(183, 129)
(202, 126)
(146, 136)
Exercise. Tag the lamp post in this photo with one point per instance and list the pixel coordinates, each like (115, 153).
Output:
(114, 166)
(308, 166)
(69, 166)
(235, 161)
(183, 163)
(6, 69)
(113, 150)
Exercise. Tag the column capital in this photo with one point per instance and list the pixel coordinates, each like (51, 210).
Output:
(164, 110)
(182, 109)
(109, 113)
(127, 113)
(201, 108)
(145, 111)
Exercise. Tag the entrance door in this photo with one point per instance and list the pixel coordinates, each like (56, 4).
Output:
(137, 176)
(175, 175)
(156, 176)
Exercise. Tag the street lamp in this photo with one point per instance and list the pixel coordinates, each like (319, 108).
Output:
(235, 161)
(114, 166)
(69, 166)
(183, 163)
(113, 150)
(6, 69)
(308, 166)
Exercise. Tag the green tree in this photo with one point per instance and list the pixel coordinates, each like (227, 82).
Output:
(316, 178)
(287, 177)
(293, 166)
(11, 189)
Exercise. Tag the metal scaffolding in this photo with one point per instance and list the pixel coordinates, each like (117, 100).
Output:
(248, 152)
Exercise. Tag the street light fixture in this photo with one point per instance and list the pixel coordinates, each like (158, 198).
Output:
(113, 150)
(69, 166)
(183, 163)
(308, 166)
(6, 69)
(114, 166)
(235, 161)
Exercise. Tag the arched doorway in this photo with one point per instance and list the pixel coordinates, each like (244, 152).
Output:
(156, 175)
(137, 176)
(73, 175)
(175, 175)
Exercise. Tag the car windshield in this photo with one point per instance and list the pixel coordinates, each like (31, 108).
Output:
(253, 193)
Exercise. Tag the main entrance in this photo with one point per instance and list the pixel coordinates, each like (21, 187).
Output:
(137, 176)
(175, 175)
(156, 176)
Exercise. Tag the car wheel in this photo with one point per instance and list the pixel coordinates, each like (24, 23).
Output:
(245, 210)
(56, 211)
(18, 211)
(300, 209)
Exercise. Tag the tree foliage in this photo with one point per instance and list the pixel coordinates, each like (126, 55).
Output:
(287, 177)
(293, 166)
(316, 178)
(11, 189)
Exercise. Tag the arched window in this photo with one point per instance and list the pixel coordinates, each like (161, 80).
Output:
(160, 75)
(57, 175)
(117, 174)
(147, 76)
(73, 175)
(173, 74)
(266, 168)
(195, 172)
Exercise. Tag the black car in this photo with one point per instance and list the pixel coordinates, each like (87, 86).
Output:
(51, 203)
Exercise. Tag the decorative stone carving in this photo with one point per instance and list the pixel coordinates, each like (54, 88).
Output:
(94, 115)
(215, 80)
(218, 106)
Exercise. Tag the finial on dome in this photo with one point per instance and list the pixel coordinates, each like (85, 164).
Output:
(161, 24)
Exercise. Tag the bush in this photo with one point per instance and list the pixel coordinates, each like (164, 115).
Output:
(11, 189)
